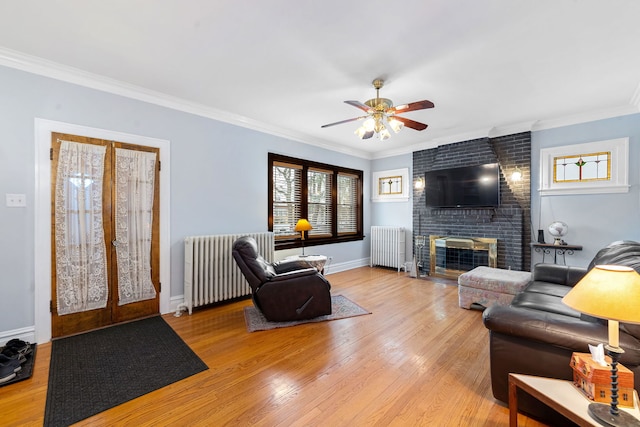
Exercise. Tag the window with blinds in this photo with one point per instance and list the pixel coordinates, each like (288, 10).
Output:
(329, 197)
(319, 202)
(287, 198)
(347, 204)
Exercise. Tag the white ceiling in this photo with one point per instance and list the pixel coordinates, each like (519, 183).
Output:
(491, 67)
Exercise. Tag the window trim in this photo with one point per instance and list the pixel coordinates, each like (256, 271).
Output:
(295, 242)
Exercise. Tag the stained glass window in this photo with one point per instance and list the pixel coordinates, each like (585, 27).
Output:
(582, 167)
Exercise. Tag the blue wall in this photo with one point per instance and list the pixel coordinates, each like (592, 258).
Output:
(218, 180)
(594, 220)
(218, 177)
(397, 214)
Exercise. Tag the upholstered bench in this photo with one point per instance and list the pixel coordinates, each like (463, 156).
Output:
(487, 286)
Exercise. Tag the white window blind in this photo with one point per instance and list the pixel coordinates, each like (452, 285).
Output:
(347, 203)
(319, 201)
(287, 199)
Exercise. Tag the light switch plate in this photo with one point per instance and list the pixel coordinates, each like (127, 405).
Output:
(16, 200)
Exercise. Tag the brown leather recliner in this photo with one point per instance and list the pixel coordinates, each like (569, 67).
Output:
(282, 291)
(537, 333)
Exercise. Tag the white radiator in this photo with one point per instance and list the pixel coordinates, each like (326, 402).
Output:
(210, 272)
(387, 246)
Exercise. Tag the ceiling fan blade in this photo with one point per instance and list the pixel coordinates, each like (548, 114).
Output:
(360, 105)
(343, 121)
(411, 123)
(419, 105)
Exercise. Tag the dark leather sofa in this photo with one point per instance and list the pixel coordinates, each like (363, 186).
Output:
(537, 333)
(282, 291)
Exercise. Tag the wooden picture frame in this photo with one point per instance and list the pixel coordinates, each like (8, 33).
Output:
(391, 186)
(605, 163)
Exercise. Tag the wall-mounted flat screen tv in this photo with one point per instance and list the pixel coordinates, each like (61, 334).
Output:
(469, 186)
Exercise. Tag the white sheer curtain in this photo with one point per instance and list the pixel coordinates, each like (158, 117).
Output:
(81, 262)
(135, 173)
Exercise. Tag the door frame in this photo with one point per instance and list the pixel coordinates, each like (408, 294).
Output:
(42, 209)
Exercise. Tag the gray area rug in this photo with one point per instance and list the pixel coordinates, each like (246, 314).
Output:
(92, 372)
(341, 307)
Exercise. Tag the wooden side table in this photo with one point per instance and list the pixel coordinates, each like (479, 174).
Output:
(560, 395)
(549, 248)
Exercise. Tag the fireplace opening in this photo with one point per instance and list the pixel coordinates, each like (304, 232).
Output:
(451, 256)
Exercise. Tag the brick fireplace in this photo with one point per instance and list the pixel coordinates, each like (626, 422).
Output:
(509, 223)
(452, 256)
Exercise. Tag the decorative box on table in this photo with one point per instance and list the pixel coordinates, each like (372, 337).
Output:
(594, 380)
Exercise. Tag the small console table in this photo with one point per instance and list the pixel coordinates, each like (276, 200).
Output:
(550, 248)
(317, 261)
(559, 395)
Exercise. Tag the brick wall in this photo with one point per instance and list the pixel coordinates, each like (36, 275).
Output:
(509, 223)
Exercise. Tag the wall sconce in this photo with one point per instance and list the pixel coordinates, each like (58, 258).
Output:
(419, 184)
(516, 175)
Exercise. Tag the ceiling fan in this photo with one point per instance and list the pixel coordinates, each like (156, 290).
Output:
(381, 112)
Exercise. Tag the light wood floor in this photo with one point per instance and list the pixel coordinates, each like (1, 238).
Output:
(417, 360)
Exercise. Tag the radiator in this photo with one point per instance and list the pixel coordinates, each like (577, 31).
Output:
(211, 274)
(387, 246)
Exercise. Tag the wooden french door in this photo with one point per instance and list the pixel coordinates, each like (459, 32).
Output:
(69, 324)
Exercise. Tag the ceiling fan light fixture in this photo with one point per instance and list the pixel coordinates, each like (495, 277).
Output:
(395, 124)
(380, 115)
(369, 124)
(363, 133)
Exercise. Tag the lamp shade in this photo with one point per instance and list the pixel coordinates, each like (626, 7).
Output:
(303, 225)
(608, 292)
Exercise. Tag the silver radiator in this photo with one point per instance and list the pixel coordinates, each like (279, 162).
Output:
(387, 246)
(211, 274)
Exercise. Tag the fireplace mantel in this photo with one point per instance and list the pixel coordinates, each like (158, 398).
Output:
(453, 255)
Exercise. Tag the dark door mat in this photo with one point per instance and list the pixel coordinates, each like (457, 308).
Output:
(94, 371)
(27, 368)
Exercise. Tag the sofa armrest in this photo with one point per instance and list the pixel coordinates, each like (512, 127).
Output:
(560, 274)
(544, 327)
(556, 329)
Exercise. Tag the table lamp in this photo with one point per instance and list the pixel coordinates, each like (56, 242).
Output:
(303, 225)
(609, 292)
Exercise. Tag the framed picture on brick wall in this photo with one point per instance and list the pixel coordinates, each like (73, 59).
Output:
(589, 168)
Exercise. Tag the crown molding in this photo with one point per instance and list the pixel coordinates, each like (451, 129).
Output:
(437, 141)
(586, 117)
(35, 65)
(497, 131)
(512, 129)
(635, 99)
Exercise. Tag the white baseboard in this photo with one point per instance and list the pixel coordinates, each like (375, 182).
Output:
(175, 302)
(27, 334)
(344, 266)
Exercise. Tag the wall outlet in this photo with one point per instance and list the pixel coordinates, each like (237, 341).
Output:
(16, 200)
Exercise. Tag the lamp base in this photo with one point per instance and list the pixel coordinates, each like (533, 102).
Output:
(602, 413)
